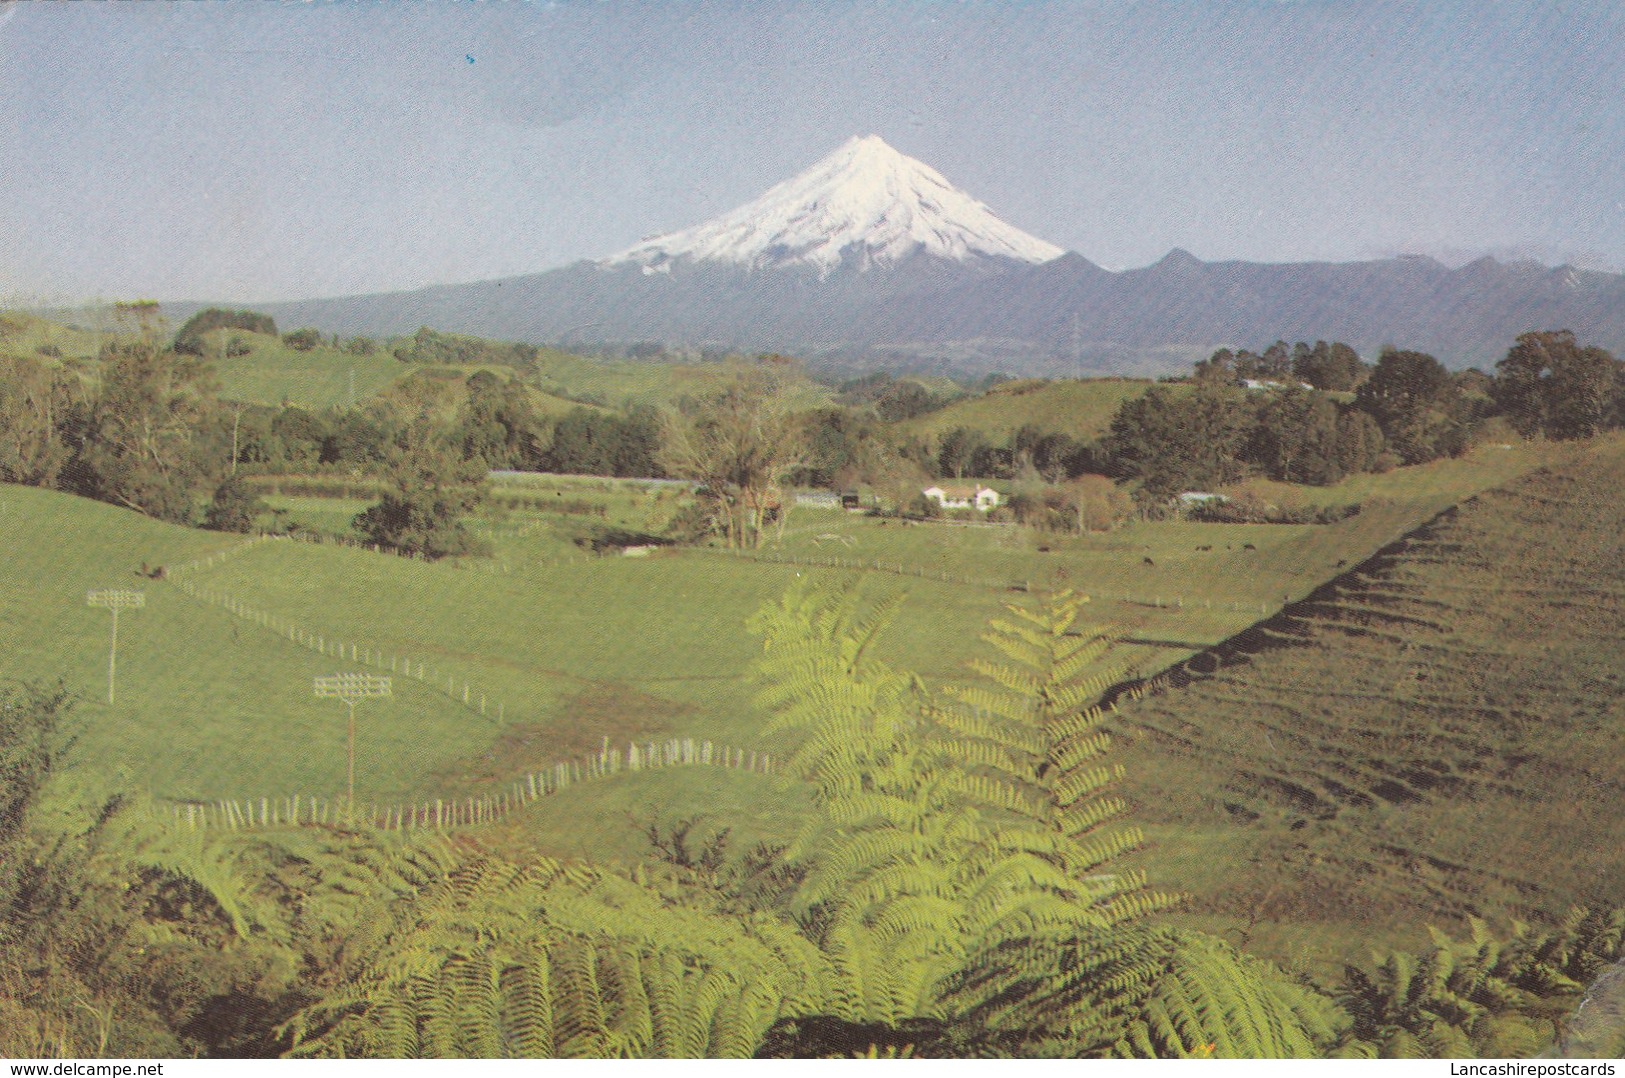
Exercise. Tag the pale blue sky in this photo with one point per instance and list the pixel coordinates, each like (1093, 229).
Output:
(243, 152)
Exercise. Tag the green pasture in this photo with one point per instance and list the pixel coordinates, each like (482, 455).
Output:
(619, 383)
(579, 649)
(1081, 408)
(207, 706)
(568, 649)
(24, 335)
(330, 516)
(271, 373)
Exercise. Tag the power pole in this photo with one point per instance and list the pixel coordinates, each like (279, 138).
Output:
(352, 688)
(115, 599)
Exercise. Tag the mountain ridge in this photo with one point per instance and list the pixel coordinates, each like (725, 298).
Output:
(870, 258)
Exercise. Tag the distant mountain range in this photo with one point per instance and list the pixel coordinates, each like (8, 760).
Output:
(871, 258)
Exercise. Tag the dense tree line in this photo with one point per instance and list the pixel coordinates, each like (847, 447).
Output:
(451, 349)
(1407, 408)
(593, 442)
(1054, 455)
(893, 399)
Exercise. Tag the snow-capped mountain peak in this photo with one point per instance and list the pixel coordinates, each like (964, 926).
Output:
(865, 206)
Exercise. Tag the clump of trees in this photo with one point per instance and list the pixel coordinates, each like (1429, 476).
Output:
(1334, 367)
(431, 489)
(451, 349)
(43, 413)
(303, 340)
(893, 399)
(740, 446)
(589, 441)
(1087, 503)
(189, 339)
(235, 507)
(1549, 384)
(1418, 406)
(1407, 409)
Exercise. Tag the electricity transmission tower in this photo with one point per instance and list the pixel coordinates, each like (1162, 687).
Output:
(115, 599)
(352, 689)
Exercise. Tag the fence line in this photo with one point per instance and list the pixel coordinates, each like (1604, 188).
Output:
(301, 810)
(458, 690)
(209, 561)
(485, 565)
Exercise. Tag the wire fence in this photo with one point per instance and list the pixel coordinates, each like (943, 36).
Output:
(304, 810)
(455, 688)
(209, 561)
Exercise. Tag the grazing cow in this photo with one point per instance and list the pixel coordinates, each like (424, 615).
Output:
(1248, 546)
(1203, 549)
(1149, 562)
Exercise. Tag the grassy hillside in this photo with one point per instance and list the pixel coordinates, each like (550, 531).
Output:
(441, 391)
(1082, 409)
(27, 335)
(1436, 734)
(620, 383)
(272, 373)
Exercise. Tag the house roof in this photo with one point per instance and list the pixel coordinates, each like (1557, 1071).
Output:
(960, 490)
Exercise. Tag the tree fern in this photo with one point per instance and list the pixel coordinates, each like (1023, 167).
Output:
(1477, 995)
(940, 835)
(1213, 1001)
(498, 959)
(1034, 728)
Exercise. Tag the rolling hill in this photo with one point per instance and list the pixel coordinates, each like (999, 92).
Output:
(1433, 735)
(1082, 409)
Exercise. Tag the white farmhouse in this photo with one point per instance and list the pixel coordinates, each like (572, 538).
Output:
(954, 496)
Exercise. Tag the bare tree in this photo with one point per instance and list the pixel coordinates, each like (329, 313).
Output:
(738, 446)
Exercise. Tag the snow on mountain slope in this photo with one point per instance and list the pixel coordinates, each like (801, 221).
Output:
(865, 205)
